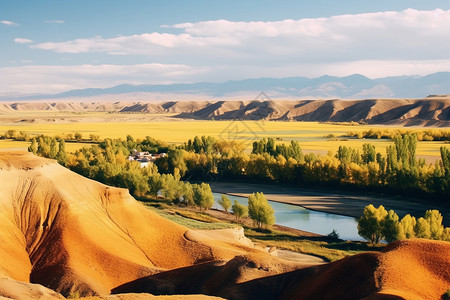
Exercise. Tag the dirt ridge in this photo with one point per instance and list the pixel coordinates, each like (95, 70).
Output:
(430, 111)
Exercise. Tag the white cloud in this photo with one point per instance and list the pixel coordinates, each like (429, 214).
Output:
(380, 44)
(54, 79)
(9, 23)
(409, 34)
(22, 41)
(54, 21)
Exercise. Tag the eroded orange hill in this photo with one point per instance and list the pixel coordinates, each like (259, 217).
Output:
(70, 233)
(413, 269)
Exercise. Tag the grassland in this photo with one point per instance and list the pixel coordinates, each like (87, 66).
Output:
(313, 136)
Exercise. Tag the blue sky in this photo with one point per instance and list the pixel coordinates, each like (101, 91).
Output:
(57, 45)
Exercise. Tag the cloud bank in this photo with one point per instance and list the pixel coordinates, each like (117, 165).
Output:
(53, 79)
(385, 35)
(408, 42)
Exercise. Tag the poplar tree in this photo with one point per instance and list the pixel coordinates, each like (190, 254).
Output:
(203, 196)
(260, 211)
(370, 225)
(239, 210)
(225, 202)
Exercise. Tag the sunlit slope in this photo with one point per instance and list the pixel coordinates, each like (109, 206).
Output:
(413, 269)
(70, 233)
(430, 111)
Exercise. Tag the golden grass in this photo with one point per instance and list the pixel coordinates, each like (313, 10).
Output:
(310, 135)
(22, 146)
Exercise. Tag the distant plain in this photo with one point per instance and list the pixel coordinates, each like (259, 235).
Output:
(312, 136)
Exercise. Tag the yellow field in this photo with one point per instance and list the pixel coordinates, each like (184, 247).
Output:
(22, 146)
(311, 135)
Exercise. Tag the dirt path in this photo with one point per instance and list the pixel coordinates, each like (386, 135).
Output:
(343, 204)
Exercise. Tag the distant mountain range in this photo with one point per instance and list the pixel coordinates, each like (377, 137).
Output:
(325, 87)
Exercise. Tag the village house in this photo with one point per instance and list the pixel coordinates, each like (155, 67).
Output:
(144, 158)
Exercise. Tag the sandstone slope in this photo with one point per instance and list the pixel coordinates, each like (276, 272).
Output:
(413, 269)
(72, 234)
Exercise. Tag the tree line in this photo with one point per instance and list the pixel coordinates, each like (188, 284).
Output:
(206, 158)
(378, 224)
(396, 171)
(422, 135)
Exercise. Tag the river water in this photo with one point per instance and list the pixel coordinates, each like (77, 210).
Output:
(301, 218)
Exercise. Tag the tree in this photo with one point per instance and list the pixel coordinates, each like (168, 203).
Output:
(391, 227)
(78, 136)
(43, 146)
(155, 184)
(95, 138)
(406, 145)
(62, 155)
(446, 234)
(260, 211)
(188, 194)
(407, 225)
(422, 229)
(34, 146)
(369, 153)
(10, 134)
(203, 196)
(225, 202)
(54, 148)
(197, 144)
(176, 161)
(239, 210)
(370, 225)
(434, 218)
(169, 187)
(295, 151)
(134, 181)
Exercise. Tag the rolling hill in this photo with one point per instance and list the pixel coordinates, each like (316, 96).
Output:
(430, 111)
(413, 269)
(64, 233)
(72, 234)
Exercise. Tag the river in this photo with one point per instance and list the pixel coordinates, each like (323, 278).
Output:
(308, 220)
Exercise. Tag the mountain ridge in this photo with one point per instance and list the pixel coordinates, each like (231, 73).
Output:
(354, 86)
(431, 111)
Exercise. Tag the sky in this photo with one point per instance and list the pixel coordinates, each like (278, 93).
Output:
(51, 46)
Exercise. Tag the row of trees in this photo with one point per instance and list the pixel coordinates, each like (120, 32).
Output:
(378, 224)
(205, 158)
(69, 137)
(259, 209)
(422, 135)
(396, 171)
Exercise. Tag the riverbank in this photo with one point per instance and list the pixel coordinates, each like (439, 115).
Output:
(345, 204)
(283, 241)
